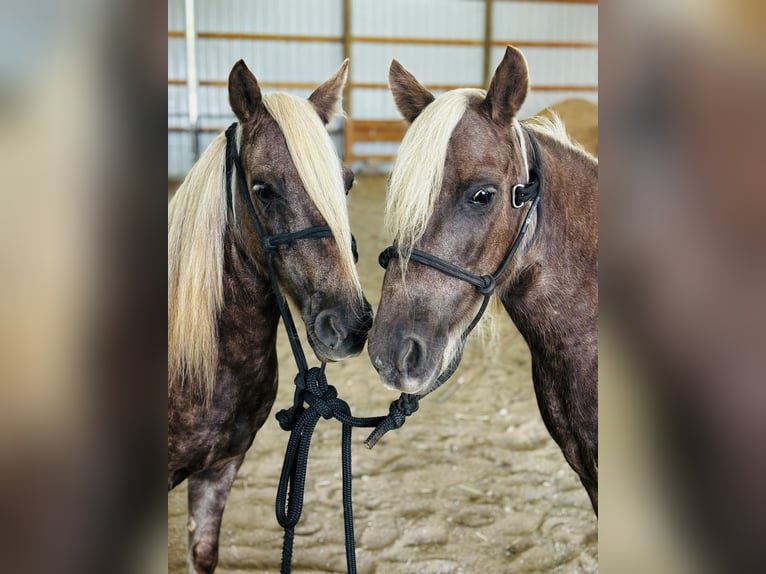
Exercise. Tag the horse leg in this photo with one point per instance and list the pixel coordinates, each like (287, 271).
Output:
(208, 492)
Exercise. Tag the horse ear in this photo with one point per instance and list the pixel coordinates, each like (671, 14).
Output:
(410, 96)
(326, 97)
(244, 93)
(508, 88)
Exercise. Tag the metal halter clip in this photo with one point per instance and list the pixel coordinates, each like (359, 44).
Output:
(513, 195)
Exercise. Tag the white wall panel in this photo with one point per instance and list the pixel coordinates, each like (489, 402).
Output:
(430, 64)
(456, 19)
(270, 61)
(176, 15)
(178, 106)
(557, 66)
(293, 17)
(545, 21)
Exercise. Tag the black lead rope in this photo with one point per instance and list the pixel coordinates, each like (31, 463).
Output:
(484, 284)
(310, 387)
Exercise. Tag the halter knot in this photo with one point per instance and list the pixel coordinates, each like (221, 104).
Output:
(319, 394)
(488, 285)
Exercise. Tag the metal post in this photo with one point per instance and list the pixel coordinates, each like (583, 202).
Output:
(347, 143)
(191, 76)
(487, 72)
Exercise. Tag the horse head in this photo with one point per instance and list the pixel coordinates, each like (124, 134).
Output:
(451, 195)
(296, 181)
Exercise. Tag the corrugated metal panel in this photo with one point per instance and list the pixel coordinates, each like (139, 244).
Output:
(176, 14)
(545, 21)
(557, 66)
(456, 19)
(313, 62)
(270, 61)
(430, 64)
(289, 17)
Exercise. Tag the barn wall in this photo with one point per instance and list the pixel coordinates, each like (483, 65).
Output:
(380, 31)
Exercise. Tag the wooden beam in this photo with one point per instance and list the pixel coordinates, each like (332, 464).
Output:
(362, 157)
(276, 85)
(383, 86)
(401, 40)
(544, 44)
(386, 39)
(437, 87)
(248, 36)
(266, 37)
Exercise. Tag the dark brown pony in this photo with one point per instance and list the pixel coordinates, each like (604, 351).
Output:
(451, 195)
(222, 311)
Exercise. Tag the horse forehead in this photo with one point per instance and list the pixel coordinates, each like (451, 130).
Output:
(476, 145)
(267, 148)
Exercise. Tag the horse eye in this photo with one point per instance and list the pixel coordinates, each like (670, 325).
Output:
(263, 191)
(483, 196)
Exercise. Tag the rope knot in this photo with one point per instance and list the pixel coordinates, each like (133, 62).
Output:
(488, 285)
(287, 417)
(398, 412)
(319, 394)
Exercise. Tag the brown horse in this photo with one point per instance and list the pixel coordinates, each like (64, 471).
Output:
(453, 196)
(222, 310)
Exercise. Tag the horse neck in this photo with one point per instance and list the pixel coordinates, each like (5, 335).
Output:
(552, 293)
(249, 316)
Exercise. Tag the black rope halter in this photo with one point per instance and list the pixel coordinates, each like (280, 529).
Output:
(484, 284)
(310, 386)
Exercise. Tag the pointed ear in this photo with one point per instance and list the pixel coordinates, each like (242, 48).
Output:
(326, 98)
(410, 96)
(244, 93)
(508, 88)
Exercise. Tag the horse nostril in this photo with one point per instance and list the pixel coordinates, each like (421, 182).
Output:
(329, 329)
(411, 355)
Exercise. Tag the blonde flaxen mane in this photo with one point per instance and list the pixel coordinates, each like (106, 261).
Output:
(197, 220)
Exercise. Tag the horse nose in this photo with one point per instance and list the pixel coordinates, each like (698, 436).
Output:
(330, 329)
(411, 355)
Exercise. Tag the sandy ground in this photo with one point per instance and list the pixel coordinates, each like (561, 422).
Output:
(472, 483)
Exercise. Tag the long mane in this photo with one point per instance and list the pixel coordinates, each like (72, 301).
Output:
(197, 220)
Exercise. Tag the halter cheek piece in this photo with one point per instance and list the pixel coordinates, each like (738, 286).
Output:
(484, 284)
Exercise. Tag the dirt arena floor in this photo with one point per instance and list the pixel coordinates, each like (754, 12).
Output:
(472, 483)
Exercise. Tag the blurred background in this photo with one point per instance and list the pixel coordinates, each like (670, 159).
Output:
(84, 94)
(294, 45)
